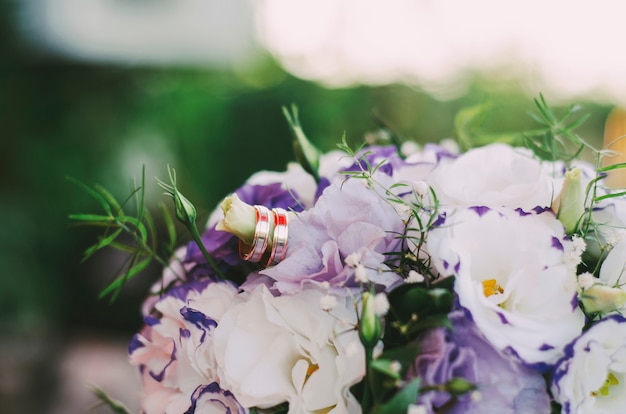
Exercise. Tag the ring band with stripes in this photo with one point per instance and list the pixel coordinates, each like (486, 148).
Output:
(254, 252)
(281, 233)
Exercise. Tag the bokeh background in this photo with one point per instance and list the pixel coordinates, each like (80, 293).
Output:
(96, 89)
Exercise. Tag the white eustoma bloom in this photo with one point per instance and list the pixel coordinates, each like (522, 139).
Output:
(175, 351)
(271, 350)
(512, 276)
(591, 378)
(495, 175)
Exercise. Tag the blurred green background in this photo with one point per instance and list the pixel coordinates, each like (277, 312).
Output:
(100, 122)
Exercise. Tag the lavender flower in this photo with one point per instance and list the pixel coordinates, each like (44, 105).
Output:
(504, 385)
(349, 220)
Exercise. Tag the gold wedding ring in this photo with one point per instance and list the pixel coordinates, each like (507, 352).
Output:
(254, 252)
(281, 233)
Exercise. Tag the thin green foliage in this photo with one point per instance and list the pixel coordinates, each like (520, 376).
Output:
(556, 139)
(115, 405)
(134, 235)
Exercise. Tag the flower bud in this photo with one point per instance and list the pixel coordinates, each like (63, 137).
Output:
(603, 299)
(239, 218)
(185, 210)
(458, 386)
(370, 328)
(570, 204)
(306, 153)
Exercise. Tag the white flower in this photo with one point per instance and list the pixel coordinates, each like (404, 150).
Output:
(272, 350)
(510, 274)
(176, 350)
(381, 304)
(495, 175)
(591, 378)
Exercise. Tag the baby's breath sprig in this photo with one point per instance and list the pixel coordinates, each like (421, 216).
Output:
(422, 213)
(143, 248)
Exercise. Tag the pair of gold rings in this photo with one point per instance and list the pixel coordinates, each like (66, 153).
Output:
(255, 252)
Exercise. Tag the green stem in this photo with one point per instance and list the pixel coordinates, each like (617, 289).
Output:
(196, 237)
(366, 404)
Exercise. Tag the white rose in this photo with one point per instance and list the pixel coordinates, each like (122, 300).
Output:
(512, 275)
(272, 350)
(591, 378)
(495, 175)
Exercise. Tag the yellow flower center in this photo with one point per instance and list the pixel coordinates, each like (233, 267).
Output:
(491, 287)
(312, 368)
(604, 390)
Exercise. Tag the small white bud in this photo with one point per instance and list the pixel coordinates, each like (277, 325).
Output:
(450, 145)
(476, 396)
(381, 304)
(395, 367)
(586, 280)
(414, 277)
(353, 259)
(416, 409)
(421, 188)
(409, 148)
(328, 302)
(360, 274)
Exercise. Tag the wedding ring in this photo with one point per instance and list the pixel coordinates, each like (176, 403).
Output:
(254, 252)
(281, 233)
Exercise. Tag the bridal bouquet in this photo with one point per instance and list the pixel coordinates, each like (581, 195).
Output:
(394, 279)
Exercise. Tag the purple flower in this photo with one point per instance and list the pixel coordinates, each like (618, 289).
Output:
(374, 155)
(348, 220)
(505, 385)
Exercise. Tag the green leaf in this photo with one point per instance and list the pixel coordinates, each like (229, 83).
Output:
(96, 218)
(142, 194)
(126, 248)
(401, 401)
(93, 193)
(384, 366)
(171, 228)
(617, 166)
(606, 196)
(115, 206)
(135, 267)
(405, 355)
(103, 242)
(115, 405)
(141, 228)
